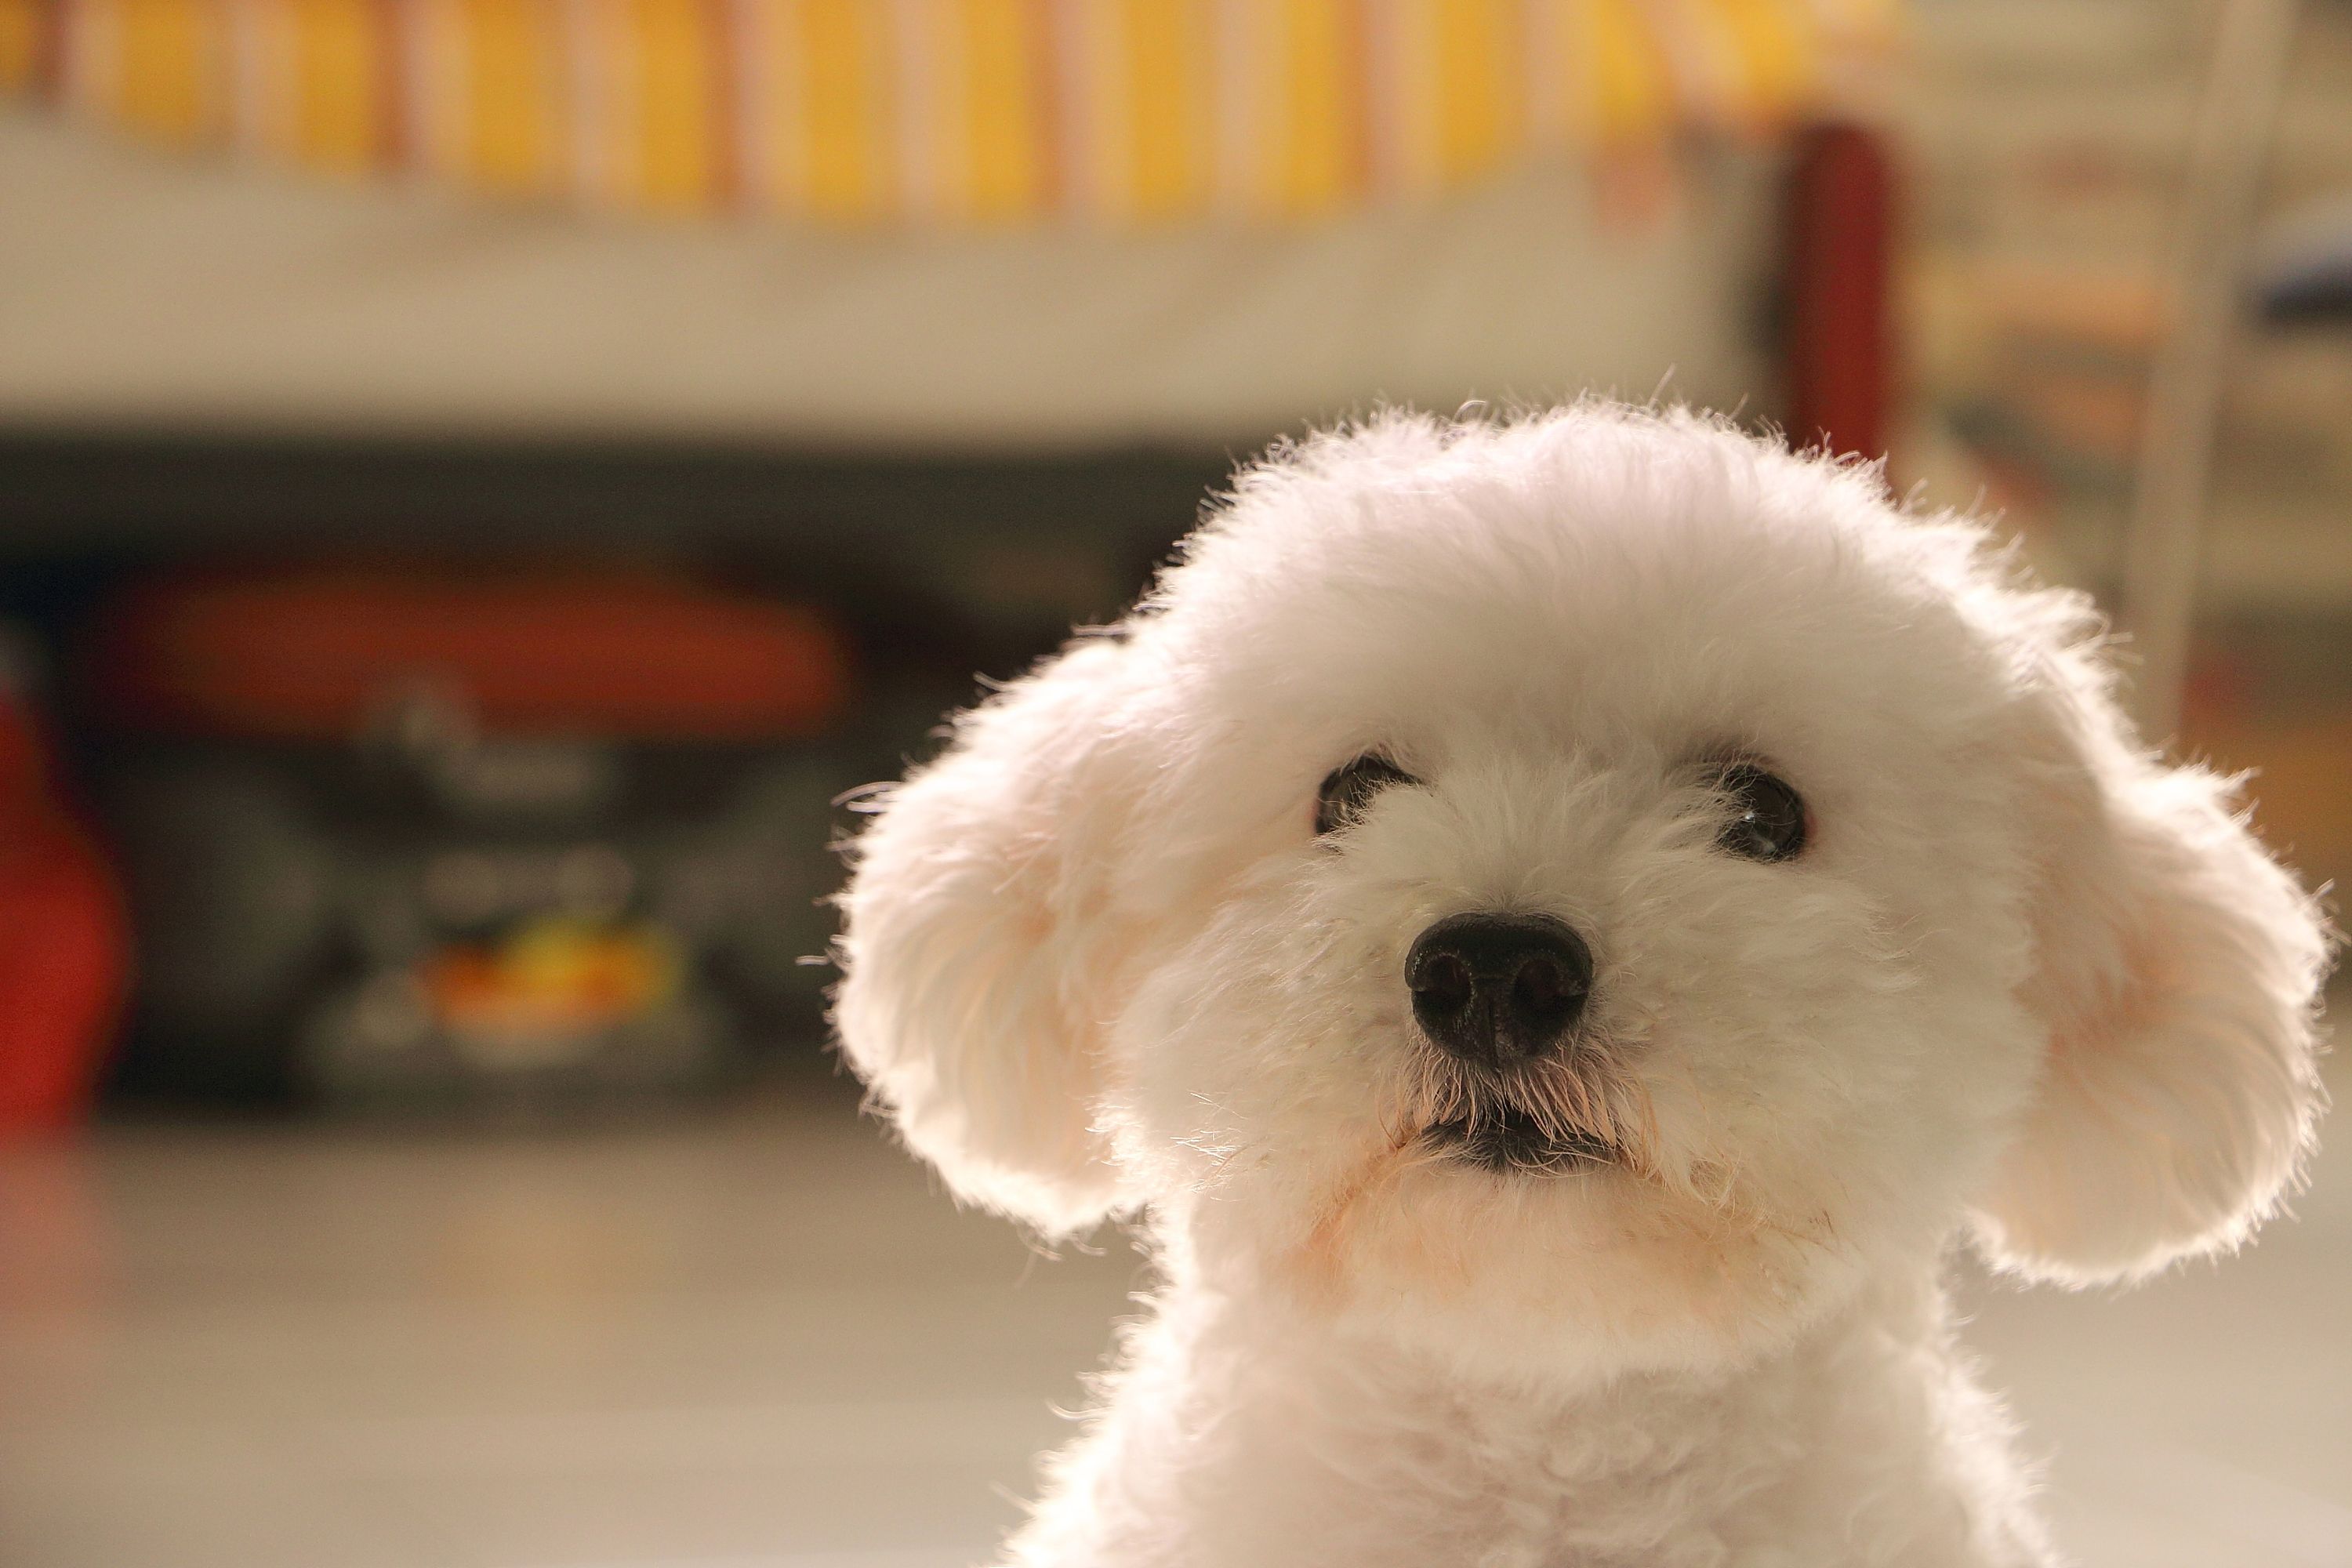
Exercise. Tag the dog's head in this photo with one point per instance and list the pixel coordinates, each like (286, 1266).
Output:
(1592, 888)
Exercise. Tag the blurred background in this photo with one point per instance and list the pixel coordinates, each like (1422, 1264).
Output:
(482, 481)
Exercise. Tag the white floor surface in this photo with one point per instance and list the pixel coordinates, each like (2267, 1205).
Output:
(763, 1340)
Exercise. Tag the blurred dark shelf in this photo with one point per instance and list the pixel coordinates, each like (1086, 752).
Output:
(147, 494)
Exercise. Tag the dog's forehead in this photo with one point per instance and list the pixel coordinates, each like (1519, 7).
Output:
(1662, 598)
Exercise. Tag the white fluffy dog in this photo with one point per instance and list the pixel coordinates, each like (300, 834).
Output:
(1556, 925)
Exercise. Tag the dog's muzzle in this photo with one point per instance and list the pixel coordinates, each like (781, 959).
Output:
(1497, 990)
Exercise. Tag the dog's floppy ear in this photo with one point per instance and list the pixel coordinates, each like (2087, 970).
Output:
(2177, 971)
(975, 933)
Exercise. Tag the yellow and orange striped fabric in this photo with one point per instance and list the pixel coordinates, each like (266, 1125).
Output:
(940, 111)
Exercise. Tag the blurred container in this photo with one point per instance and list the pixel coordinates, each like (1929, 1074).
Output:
(402, 837)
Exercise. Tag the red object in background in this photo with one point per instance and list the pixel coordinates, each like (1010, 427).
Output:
(315, 653)
(64, 940)
(1837, 274)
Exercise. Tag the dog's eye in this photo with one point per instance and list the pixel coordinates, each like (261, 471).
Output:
(1348, 791)
(1769, 817)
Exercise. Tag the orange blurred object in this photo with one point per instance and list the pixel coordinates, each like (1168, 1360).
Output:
(319, 653)
(553, 978)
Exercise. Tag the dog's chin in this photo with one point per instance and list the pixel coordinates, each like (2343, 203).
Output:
(1511, 1141)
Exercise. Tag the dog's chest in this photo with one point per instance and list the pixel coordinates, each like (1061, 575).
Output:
(1595, 1488)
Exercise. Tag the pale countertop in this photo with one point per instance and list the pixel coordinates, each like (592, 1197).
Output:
(763, 1338)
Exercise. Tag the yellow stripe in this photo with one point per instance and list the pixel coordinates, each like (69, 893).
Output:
(1314, 167)
(1481, 108)
(675, 59)
(334, 82)
(1164, 70)
(1002, 160)
(512, 113)
(1155, 76)
(168, 67)
(20, 38)
(1771, 56)
(845, 104)
(1624, 87)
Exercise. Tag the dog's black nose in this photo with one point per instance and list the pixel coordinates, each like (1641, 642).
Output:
(1494, 990)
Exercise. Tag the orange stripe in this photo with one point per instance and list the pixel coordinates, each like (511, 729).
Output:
(398, 135)
(723, 25)
(170, 66)
(676, 65)
(1047, 70)
(1355, 66)
(21, 26)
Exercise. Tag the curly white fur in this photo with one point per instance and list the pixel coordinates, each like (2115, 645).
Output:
(2026, 983)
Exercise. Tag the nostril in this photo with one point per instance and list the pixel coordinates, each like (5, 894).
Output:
(1541, 986)
(1444, 980)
